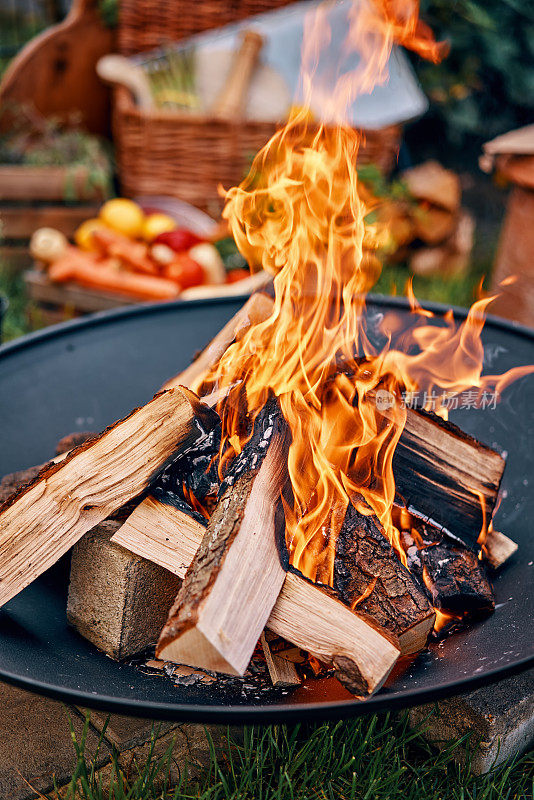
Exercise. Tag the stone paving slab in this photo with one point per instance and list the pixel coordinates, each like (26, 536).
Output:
(36, 746)
(499, 717)
(125, 733)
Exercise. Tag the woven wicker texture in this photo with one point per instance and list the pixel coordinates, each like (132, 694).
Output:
(146, 24)
(191, 156)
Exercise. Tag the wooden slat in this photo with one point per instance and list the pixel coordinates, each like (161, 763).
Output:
(69, 295)
(47, 183)
(283, 673)
(20, 222)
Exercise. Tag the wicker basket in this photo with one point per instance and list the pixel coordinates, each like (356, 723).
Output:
(186, 156)
(147, 24)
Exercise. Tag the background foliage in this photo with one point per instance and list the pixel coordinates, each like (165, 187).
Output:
(486, 85)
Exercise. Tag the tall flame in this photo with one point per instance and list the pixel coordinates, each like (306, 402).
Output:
(302, 215)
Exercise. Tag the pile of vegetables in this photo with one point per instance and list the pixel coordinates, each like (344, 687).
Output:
(125, 251)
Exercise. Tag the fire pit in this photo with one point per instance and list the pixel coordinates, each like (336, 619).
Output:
(85, 375)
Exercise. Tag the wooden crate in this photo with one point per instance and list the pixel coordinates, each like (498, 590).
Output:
(53, 302)
(36, 197)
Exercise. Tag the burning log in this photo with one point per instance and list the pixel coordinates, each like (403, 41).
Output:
(453, 575)
(456, 580)
(236, 574)
(42, 520)
(446, 477)
(162, 529)
(369, 576)
(498, 548)
(309, 616)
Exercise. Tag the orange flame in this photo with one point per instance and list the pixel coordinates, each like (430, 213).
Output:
(302, 216)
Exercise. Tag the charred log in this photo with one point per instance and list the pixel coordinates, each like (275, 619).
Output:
(445, 476)
(369, 576)
(311, 617)
(456, 580)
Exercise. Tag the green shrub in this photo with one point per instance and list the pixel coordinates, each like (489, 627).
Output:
(486, 85)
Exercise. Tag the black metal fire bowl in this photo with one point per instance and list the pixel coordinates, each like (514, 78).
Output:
(85, 374)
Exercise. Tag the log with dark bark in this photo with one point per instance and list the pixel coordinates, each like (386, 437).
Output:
(236, 575)
(309, 616)
(456, 579)
(41, 521)
(446, 476)
(369, 575)
(452, 575)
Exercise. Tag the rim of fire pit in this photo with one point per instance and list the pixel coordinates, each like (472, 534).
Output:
(286, 710)
(101, 317)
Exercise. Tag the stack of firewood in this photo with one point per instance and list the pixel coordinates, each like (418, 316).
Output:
(428, 228)
(219, 539)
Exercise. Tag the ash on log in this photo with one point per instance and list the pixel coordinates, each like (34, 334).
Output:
(41, 521)
(453, 576)
(236, 574)
(456, 580)
(309, 616)
(369, 575)
(443, 475)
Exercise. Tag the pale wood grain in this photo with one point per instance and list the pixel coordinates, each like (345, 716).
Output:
(43, 520)
(282, 672)
(498, 549)
(165, 535)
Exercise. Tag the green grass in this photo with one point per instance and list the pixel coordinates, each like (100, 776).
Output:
(12, 287)
(373, 758)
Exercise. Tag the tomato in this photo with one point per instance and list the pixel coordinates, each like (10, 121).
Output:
(236, 275)
(178, 240)
(184, 271)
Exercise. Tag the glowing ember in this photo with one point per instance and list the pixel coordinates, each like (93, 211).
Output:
(302, 215)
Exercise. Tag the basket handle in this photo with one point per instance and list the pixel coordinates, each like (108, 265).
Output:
(118, 70)
(229, 105)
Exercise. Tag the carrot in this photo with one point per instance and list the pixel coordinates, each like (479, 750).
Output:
(63, 268)
(142, 287)
(133, 254)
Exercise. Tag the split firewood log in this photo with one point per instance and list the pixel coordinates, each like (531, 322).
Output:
(236, 575)
(41, 521)
(434, 184)
(445, 476)
(452, 575)
(309, 616)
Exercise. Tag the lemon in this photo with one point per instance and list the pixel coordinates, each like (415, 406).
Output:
(84, 234)
(123, 216)
(155, 224)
